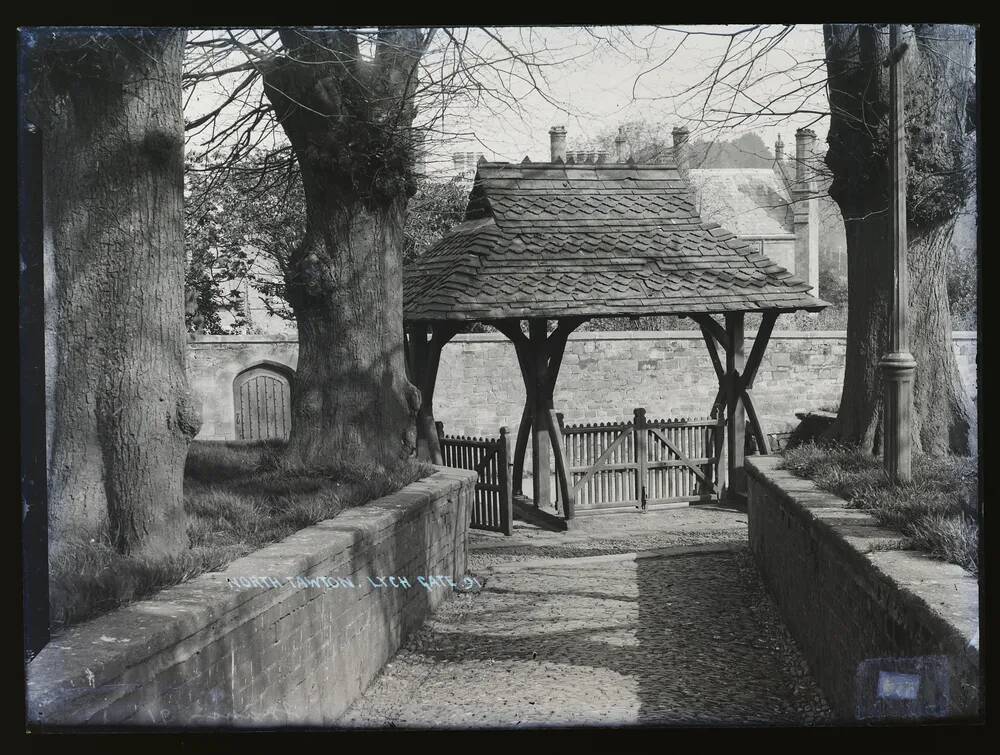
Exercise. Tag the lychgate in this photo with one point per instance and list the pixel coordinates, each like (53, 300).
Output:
(546, 246)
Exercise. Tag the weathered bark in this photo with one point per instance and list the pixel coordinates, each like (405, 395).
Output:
(349, 123)
(939, 87)
(110, 112)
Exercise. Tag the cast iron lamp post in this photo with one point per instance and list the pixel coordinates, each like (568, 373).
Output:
(898, 365)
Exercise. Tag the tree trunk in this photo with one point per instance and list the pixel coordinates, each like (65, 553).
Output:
(349, 123)
(944, 422)
(939, 84)
(351, 400)
(110, 111)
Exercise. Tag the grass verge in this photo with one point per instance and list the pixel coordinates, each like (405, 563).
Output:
(936, 512)
(238, 497)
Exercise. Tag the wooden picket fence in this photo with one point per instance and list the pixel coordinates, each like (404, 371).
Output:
(642, 464)
(490, 459)
(613, 466)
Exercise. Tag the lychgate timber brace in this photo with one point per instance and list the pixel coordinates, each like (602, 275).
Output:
(546, 246)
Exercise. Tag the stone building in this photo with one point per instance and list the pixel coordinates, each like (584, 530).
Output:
(776, 209)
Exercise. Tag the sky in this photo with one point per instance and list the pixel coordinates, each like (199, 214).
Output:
(592, 80)
(607, 86)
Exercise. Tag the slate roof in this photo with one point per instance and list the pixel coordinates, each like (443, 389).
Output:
(551, 240)
(747, 201)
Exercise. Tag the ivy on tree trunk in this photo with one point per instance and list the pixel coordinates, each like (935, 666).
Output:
(349, 120)
(939, 100)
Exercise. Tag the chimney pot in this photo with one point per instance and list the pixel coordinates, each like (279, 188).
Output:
(804, 139)
(620, 145)
(681, 134)
(557, 143)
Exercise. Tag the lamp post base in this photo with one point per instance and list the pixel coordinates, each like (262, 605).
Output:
(898, 369)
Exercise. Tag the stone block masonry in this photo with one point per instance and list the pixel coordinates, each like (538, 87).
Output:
(289, 635)
(889, 634)
(604, 376)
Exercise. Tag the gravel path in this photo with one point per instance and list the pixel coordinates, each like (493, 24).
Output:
(575, 629)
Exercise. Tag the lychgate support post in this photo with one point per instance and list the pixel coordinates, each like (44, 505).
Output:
(512, 329)
(540, 487)
(750, 373)
(539, 356)
(715, 336)
(641, 454)
(735, 416)
(424, 358)
(503, 464)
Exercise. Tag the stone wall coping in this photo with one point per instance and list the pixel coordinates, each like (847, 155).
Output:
(587, 335)
(88, 656)
(945, 596)
(196, 339)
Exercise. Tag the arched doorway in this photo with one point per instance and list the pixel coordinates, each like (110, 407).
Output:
(262, 402)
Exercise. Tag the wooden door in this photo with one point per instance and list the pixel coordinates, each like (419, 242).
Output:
(263, 404)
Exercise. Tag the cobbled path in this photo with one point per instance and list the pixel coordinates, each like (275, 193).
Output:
(575, 629)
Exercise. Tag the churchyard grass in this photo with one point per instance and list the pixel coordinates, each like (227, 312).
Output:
(238, 498)
(936, 513)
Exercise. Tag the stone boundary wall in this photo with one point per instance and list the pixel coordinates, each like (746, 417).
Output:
(604, 376)
(219, 651)
(889, 634)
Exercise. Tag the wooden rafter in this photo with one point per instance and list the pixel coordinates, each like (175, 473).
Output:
(757, 352)
(760, 437)
(710, 324)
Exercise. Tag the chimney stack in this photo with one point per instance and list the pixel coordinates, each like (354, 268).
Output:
(804, 139)
(681, 149)
(779, 149)
(620, 145)
(806, 211)
(458, 158)
(557, 140)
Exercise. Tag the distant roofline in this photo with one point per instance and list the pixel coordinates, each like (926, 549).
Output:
(606, 165)
(769, 171)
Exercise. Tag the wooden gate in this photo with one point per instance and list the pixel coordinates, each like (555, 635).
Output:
(489, 457)
(262, 404)
(643, 464)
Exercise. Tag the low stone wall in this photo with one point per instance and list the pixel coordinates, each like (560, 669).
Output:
(291, 634)
(889, 634)
(604, 376)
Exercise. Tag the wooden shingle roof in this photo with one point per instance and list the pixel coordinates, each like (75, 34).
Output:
(552, 240)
